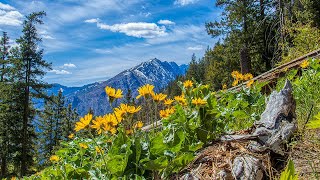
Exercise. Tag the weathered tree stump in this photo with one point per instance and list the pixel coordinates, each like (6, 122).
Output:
(273, 130)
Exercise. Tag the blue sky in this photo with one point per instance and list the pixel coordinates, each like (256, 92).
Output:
(93, 40)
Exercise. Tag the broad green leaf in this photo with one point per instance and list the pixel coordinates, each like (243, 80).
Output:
(240, 114)
(117, 164)
(157, 146)
(157, 164)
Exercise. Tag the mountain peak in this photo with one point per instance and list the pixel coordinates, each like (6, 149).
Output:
(156, 72)
(155, 60)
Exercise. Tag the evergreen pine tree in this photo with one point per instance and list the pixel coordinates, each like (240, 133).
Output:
(46, 134)
(59, 115)
(68, 121)
(4, 105)
(4, 52)
(32, 68)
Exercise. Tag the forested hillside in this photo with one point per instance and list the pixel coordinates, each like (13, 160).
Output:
(256, 36)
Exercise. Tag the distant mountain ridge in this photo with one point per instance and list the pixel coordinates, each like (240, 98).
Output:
(156, 72)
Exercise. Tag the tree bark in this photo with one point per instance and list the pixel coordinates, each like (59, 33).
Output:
(245, 61)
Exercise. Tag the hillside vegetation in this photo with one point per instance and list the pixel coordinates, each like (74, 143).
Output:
(114, 146)
(195, 109)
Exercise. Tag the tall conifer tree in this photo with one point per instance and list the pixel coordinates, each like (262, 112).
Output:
(32, 69)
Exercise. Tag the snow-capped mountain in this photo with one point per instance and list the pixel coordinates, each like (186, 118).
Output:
(93, 95)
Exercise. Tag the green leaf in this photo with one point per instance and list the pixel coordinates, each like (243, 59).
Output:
(289, 172)
(195, 146)
(314, 124)
(240, 114)
(181, 161)
(157, 164)
(117, 164)
(157, 146)
(138, 149)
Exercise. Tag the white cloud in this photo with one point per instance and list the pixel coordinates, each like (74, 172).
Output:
(9, 16)
(95, 20)
(148, 14)
(45, 35)
(103, 51)
(145, 14)
(56, 71)
(195, 48)
(69, 65)
(191, 33)
(135, 29)
(185, 2)
(166, 22)
(6, 7)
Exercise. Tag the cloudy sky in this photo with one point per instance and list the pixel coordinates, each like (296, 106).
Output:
(93, 40)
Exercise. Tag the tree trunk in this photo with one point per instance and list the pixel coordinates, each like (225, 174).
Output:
(26, 113)
(265, 52)
(3, 167)
(245, 61)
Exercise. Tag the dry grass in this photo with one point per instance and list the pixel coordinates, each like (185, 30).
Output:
(305, 154)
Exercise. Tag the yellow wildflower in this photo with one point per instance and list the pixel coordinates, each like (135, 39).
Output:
(145, 90)
(13, 178)
(110, 123)
(138, 124)
(199, 101)
(99, 150)
(166, 112)
(123, 107)
(248, 76)
(118, 112)
(240, 76)
(187, 84)
(84, 146)
(235, 82)
(54, 158)
(83, 123)
(109, 141)
(113, 93)
(235, 74)
(163, 114)
(98, 124)
(159, 97)
(249, 83)
(113, 130)
(181, 99)
(132, 109)
(304, 64)
(71, 136)
(168, 102)
(224, 86)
